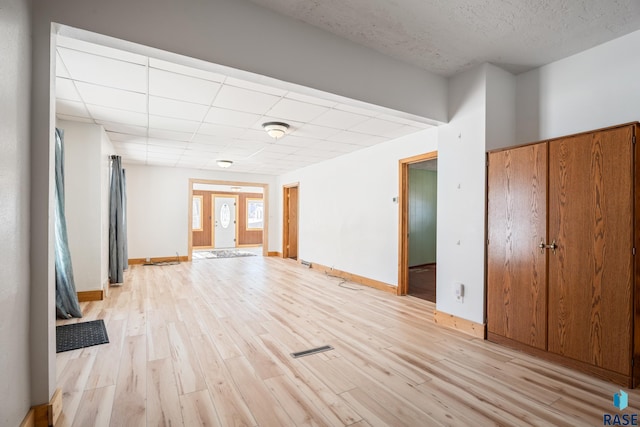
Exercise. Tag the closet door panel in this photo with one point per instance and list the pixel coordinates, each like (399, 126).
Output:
(590, 274)
(516, 267)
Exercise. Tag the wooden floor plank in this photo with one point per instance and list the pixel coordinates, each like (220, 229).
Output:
(209, 343)
(163, 404)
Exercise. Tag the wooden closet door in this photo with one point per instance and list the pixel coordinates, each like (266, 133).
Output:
(590, 275)
(516, 267)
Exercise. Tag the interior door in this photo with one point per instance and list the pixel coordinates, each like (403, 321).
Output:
(516, 266)
(590, 274)
(225, 221)
(290, 235)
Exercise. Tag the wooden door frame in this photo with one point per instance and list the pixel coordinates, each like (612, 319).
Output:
(265, 195)
(403, 218)
(235, 219)
(285, 216)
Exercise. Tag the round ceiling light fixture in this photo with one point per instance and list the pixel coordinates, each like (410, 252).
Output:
(224, 163)
(276, 130)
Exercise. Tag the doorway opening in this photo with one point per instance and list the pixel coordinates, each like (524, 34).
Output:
(227, 216)
(290, 198)
(418, 212)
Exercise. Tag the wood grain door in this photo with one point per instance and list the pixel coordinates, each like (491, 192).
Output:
(516, 267)
(290, 238)
(590, 274)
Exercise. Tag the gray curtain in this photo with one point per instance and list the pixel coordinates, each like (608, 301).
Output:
(66, 297)
(118, 256)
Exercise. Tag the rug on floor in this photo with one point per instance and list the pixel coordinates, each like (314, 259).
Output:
(222, 253)
(80, 335)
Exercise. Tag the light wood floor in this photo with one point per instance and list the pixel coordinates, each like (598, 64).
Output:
(208, 343)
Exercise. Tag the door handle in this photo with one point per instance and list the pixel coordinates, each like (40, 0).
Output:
(553, 246)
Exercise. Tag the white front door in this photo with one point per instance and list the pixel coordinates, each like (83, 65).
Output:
(224, 219)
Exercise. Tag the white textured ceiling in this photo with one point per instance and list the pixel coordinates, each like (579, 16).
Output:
(447, 36)
(160, 113)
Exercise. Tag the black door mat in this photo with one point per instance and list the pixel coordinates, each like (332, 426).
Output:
(80, 335)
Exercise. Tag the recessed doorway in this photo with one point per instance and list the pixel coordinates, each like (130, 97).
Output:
(418, 225)
(290, 221)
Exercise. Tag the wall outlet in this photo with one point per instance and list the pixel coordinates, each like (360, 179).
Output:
(147, 259)
(458, 289)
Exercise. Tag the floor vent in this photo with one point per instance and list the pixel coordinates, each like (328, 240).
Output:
(305, 263)
(311, 351)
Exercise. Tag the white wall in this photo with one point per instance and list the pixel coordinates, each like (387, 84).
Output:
(347, 217)
(461, 197)
(87, 149)
(501, 107)
(158, 207)
(597, 88)
(15, 51)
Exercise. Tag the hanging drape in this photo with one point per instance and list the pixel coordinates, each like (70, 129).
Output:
(66, 297)
(118, 256)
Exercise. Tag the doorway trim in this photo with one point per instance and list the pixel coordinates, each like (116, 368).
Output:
(265, 196)
(403, 218)
(285, 217)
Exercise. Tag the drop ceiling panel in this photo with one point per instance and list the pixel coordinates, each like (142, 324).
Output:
(74, 118)
(289, 109)
(239, 99)
(72, 108)
(231, 117)
(219, 131)
(65, 89)
(61, 70)
(123, 128)
(117, 116)
(173, 124)
(180, 87)
(154, 144)
(198, 147)
(177, 109)
(231, 81)
(96, 49)
(170, 135)
(311, 100)
(103, 71)
(184, 70)
(339, 119)
(314, 131)
(112, 98)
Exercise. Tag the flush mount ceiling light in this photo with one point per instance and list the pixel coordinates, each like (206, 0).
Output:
(224, 163)
(275, 130)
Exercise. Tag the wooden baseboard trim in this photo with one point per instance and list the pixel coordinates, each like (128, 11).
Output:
(361, 280)
(278, 254)
(45, 415)
(29, 419)
(139, 261)
(459, 324)
(84, 296)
